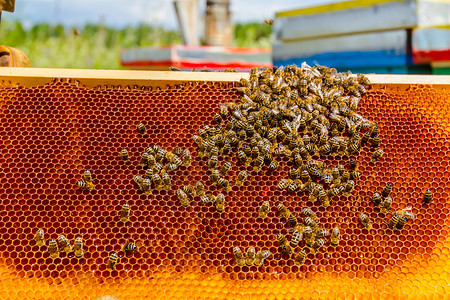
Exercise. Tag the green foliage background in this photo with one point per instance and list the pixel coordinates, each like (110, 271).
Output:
(98, 47)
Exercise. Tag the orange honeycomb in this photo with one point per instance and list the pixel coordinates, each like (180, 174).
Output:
(51, 133)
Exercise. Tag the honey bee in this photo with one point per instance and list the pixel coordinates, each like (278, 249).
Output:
(402, 222)
(353, 164)
(189, 190)
(386, 205)
(258, 163)
(160, 154)
(322, 233)
(268, 22)
(157, 181)
(212, 162)
(323, 198)
(150, 160)
(296, 238)
(365, 221)
(376, 199)
(317, 245)
(243, 160)
(149, 173)
(327, 177)
(129, 246)
(392, 223)
(64, 243)
(215, 175)
(144, 159)
(89, 186)
(187, 158)
(125, 213)
(355, 174)
(183, 198)
(39, 237)
(374, 131)
(281, 239)
(167, 185)
(362, 79)
(220, 202)
(292, 220)
(53, 248)
(349, 188)
(225, 168)
(240, 261)
(308, 221)
(78, 247)
(309, 213)
(199, 189)
(333, 192)
(287, 249)
(224, 184)
(365, 138)
(264, 209)
(207, 199)
(375, 142)
(335, 236)
(177, 151)
(141, 128)
(345, 176)
(112, 260)
(241, 178)
(386, 190)
(217, 118)
(300, 257)
(376, 156)
(250, 259)
(87, 176)
(261, 256)
(427, 197)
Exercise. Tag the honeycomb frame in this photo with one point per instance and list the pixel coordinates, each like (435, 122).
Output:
(48, 144)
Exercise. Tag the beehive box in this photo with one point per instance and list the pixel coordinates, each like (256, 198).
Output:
(57, 123)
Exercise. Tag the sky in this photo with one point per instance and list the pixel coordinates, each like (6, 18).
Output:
(120, 13)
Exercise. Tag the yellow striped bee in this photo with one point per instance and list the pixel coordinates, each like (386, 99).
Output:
(365, 221)
(149, 173)
(260, 257)
(322, 233)
(87, 176)
(151, 161)
(309, 222)
(264, 209)
(144, 159)
(402, 221)
(53, 248)
(167, 184)
(375, 142)
(287, 249)
(183, 198)
(386, 190)
(224, 184)
(39, 237)
(125, 213)
(323, 198)
(129, 246)
(215, 175)
(112, 260)
(212, 162)
(300, 257)
(386, 205)
(177, 151)
(208, 198)
(335, 236)
(89, 186)
(376, 156)
(187, 158)
(217, 118)
(365, 138)
(250, 259)
(156, 180)
(225, 168)
(284, 212)
(376, 199)
(243, 160)
(292, 220)
(258, 163)
(427, 197)
(345, 176)
(273, 165)
(141, 128)
(349, 187)
(220, 202)
(199, 189)
(281, 239)
(64, 243)
(189, 190)
(240, 261)
(296, 238)
(353, 164)
(317, 245)
(241, 178)
(307, 212)
(78, 247)
(392, 223)
(284, 184)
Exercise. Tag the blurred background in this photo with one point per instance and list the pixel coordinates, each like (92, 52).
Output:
(368, 36)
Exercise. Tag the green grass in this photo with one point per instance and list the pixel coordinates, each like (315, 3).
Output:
(97, 47)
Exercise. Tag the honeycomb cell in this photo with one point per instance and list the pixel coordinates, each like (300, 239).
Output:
(50, 134)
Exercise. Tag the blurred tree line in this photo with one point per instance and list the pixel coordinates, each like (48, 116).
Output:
(98, 47)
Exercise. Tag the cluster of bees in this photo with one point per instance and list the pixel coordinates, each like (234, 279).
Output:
(252, 258)
(158, 163)
(54, 247)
